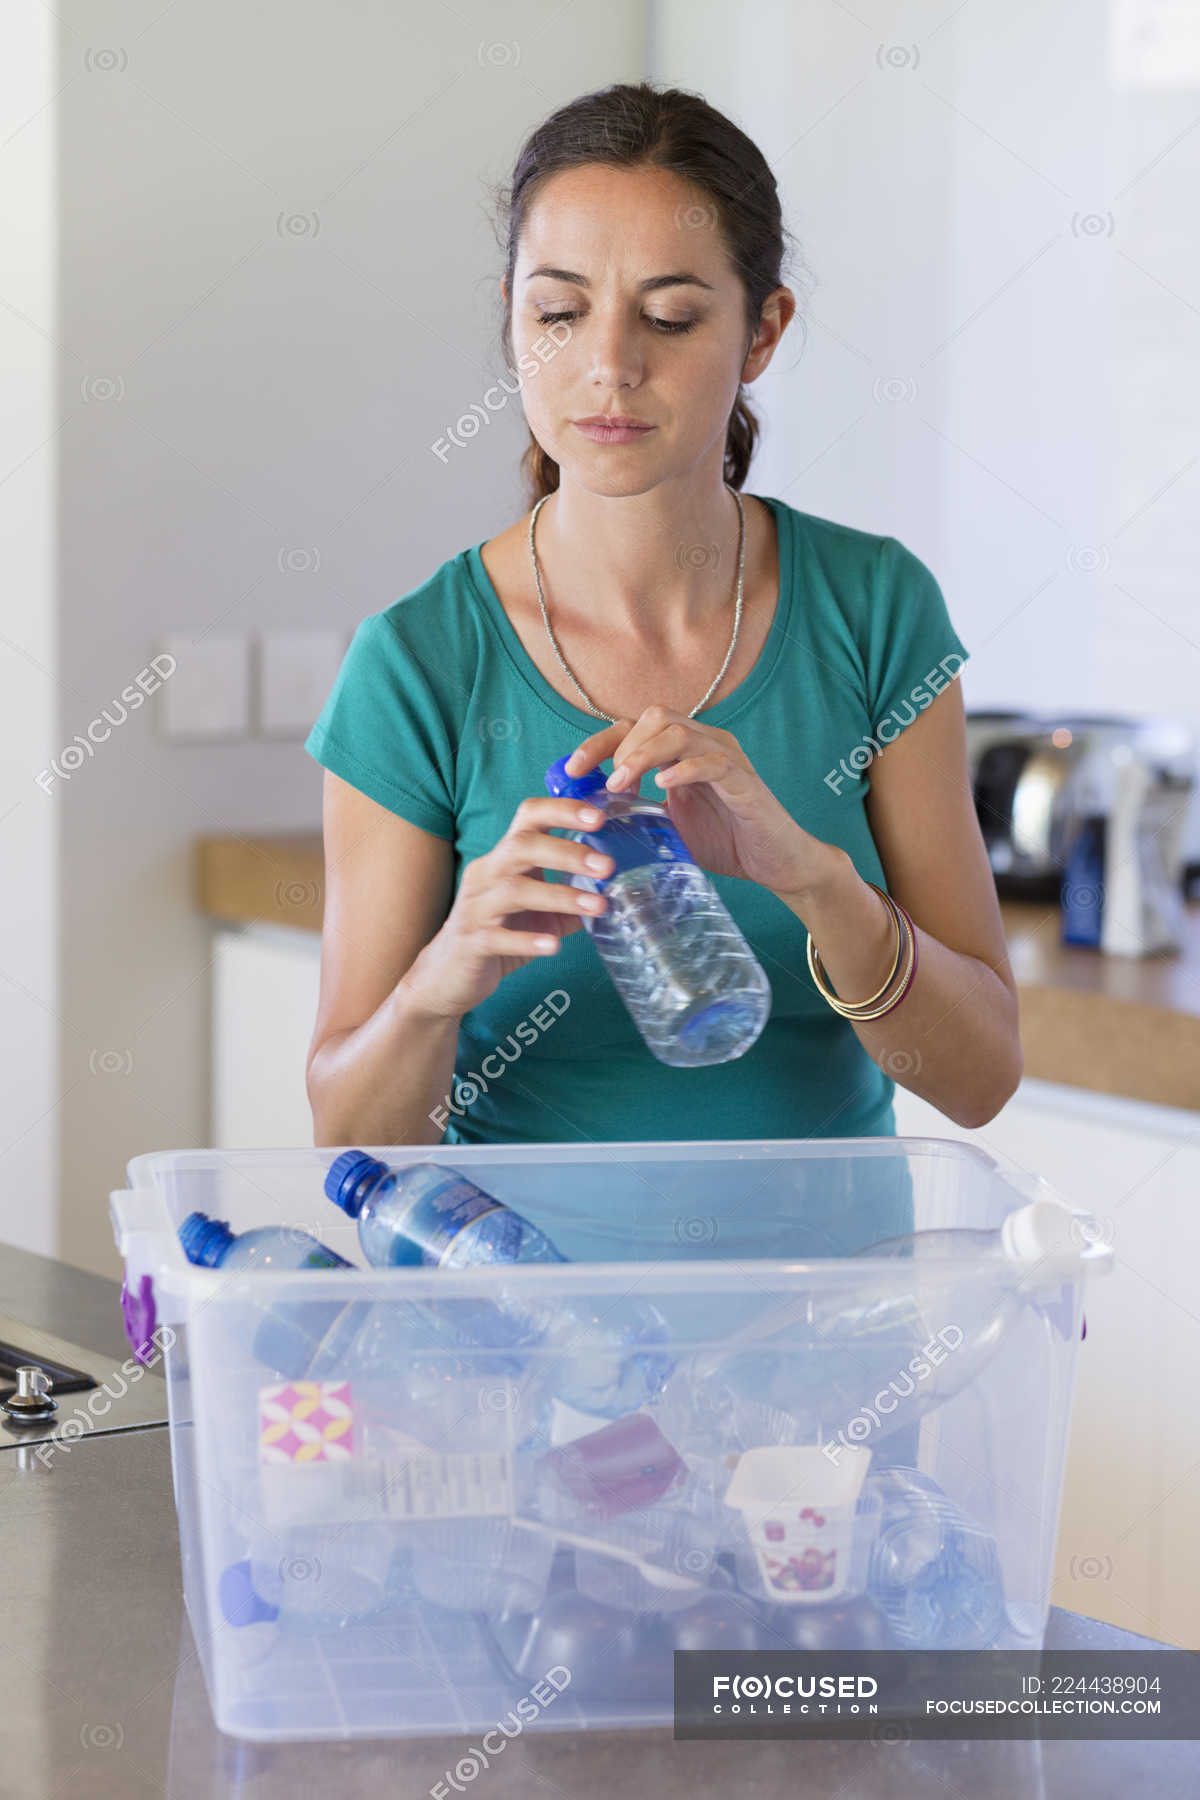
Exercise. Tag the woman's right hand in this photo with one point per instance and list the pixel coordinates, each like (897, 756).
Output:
(496, 924)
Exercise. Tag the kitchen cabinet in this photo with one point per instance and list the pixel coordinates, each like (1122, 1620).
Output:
(266, 979)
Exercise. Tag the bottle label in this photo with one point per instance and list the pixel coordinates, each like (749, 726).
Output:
(437, 1216)
(635, 841)
(324, 1259)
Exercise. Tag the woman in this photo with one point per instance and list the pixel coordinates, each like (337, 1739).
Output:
(460, 1001)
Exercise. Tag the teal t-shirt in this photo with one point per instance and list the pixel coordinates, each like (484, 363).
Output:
(439, 714)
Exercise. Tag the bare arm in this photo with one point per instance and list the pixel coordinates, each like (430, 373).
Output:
(955, 1037)
(380, 1061)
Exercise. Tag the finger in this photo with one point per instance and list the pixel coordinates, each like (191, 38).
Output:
(499, 941)
(529, 893)
(632, 759)
(710, 766)
(594, 749)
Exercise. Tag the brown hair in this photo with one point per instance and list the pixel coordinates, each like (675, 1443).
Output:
(628, 126)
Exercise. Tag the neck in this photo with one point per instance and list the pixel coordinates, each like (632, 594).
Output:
(664, 561)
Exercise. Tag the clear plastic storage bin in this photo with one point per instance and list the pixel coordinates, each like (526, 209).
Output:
(421, 1539)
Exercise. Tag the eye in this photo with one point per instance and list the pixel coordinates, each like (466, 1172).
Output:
(664, 325)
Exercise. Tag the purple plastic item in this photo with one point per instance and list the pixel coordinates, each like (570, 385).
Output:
(624, 1465)
(141, 1316)
(1083, 1333)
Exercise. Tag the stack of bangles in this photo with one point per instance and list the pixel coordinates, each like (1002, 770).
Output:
(906, 955)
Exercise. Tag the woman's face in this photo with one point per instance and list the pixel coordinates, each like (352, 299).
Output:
(670, 356)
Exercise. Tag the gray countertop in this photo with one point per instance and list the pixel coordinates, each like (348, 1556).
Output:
(103, 1698)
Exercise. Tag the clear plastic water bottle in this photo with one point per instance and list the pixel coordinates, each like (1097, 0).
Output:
(1030, 1234)
(310, 1339)
(609, 1360)
(691, 982)
(934, 1574)
(317, 1577)
(861, 1366)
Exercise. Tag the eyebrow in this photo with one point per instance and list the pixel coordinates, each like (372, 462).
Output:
(684, 279)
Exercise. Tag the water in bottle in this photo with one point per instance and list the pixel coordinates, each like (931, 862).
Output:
(934, 1574)
(691, 982)
(607, 1352)
(304, 1339)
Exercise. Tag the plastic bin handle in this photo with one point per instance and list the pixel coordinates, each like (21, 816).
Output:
(133, 1213)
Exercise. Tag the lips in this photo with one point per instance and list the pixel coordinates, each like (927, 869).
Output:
(614, 423)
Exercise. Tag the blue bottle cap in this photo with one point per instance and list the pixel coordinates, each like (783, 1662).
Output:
(345, 1176)
(574, 787)
(204, 1240)
(239, 1602)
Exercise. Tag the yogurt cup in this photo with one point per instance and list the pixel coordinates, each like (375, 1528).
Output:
(799, 1508)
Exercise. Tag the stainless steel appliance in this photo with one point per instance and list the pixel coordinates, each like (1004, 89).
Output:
(1036, 777)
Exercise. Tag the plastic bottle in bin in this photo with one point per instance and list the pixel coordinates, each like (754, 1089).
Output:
(310, 1338)
(865, 1365)
(691, 982)
(934, 1573)
(1030, 1234)
(609, 1358)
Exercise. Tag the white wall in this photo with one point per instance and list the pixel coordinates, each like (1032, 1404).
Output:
(998, 204)
(30, 1081)
(276, 290)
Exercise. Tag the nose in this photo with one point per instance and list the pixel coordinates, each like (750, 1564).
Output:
(614, 357)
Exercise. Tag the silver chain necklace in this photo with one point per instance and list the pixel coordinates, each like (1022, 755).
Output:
(737, 616)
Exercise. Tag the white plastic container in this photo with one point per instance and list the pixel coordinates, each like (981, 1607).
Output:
(351, 1487)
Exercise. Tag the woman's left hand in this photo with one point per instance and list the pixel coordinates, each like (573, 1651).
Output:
(721, 807)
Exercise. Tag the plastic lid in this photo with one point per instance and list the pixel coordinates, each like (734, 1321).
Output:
(205, 1240)
(772, 1475)
(345, 1178)
(1043, 1228)
(574, 787)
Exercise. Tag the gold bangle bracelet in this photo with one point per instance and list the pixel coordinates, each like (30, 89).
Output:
(868, 1009)
(818, 973)
(877, 1012)
(874, 1012)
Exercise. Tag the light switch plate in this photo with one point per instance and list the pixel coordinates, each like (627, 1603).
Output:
(208, 696)
(296, 669)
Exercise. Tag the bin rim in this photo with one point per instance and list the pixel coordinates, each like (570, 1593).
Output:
(141, 1170)
(140, 1212)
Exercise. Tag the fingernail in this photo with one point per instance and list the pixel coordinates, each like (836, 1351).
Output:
(572, 761)
(618, 776)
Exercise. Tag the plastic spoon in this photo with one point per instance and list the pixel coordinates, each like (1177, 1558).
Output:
(657, 1577)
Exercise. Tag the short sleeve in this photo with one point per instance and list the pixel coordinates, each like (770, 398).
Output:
(913, 651)
(384, 728)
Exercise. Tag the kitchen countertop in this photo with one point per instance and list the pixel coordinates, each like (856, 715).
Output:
(1111, 1024)
(103, 1698)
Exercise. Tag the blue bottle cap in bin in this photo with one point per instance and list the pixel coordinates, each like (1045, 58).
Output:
(204, 1240)
(345, 1176)
(574, 787)
(239, 1602)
